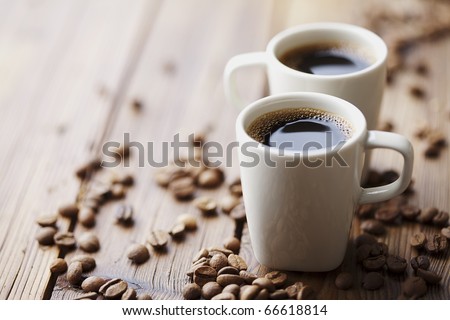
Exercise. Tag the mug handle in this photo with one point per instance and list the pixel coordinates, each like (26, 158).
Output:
(229, 77)
(396, 142)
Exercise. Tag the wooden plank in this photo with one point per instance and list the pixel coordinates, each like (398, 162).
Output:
(54, 56)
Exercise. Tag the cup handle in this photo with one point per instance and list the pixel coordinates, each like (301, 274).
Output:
(229, 77)
(396, 142)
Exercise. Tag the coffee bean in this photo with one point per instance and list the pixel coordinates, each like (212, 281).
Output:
(92, 283)
(210, 290)
(138, 253)
(236, 188)
(124, 214)
(192, 291)
(214, 250)
(293, 290)
(189, 221)
(45, 236)
(237, 262)
(262, 295)
(108, 284)
(129, 294)
(228, 203)
(118, 191)
(387, 214)
(409, 212)
(372, 281)
(417, 92)
(233, 289)
(238, 213)
(378, 249)
(206, 205)
(278, 278)
(158, 239)
(264, 283)
(218, 261)
(427, 215)
(429, 276)
(94, 202)
(421, 262)
(441, 219)
(86, 217)
(88, 263)
(87, 169)
(228, 270)
(363, 252)
(144, 296)
(437, 139)
(446, 232)
(233, 244)
(247, 276)
(204, 275)
(365, 239)
(366, 211)
(372, 226)
(125, 180)
(65, 240)
(396, 264)
(224, 296)
(374, 263)
(344, 281)
(305, 293)
(69, 211)
(58, 266)
(75, 273)
(89, 242)
(47, 220)
(177, 231)
(249, 292)
(279, 294)
(418, 240)
(210, 178)
(167, 175)
(115, 291)
(414, 287)
(373, 179)
(88, 296)
(203, 253)
(436, 244)
(183, 188)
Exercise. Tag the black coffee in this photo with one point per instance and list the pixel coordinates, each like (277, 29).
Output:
(324, 59)
(299, 129)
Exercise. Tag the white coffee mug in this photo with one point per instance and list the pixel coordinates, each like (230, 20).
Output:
(363, 88)
(299, 217)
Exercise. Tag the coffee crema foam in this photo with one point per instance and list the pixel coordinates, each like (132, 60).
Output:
(267, 123)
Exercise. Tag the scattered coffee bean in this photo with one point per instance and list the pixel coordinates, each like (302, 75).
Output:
(125, 180)
(47, 220)
(115, 291)
(228, 203)
(137, 105)
(138, 253)
(129, 294)
(446, 232)
(344, 281)
(68, 211)
(278, 278)
(94, 202)
(58, 266)
(108, 284)
(45, 236)
(89, 242)
(118, 191)
(75, 273)
(233, 289)
(228, 270)
(189, 221)
(386, 126)
(379, 248)
(210, 178)
(183, 188)
(374, 263)
(427, 215)
(236, 188)
(365, 239)
(422, 69)
(366, 211)
(429, 276)
(387, 214)
(206, 205)
(92, 284)
(210, 290)
(372, 226)
(441, 219)
(144, 296)
(177, 231)
(409, 212)
(65, 240)
(306, 293)
(396, 264)
(204, 275)
(88, 296)
(363, 252)
(87, 169)
(418, 240)
(437, 139)
(167, 175)
(432, 152)
(436, 244)
(279, 294)
(203, 253)
(249, 292)
(262, 295)
(264, 283)
(421, 262)
(247, 276)
(233, 244)
(87, 262)
(237, 262)
(414, 287)
(213, 250)
(86, 217)
(192, 291)
(238, 213)
(158, 239)
(417, 92)
(224, 296)
(124, 214)
(294, 289)
(218, 261)
(372, 281)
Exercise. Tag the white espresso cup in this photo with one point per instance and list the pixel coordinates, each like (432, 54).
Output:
(299, 217)
(363, 88)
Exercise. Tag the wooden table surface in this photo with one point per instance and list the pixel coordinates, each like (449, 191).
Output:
(69, 71)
